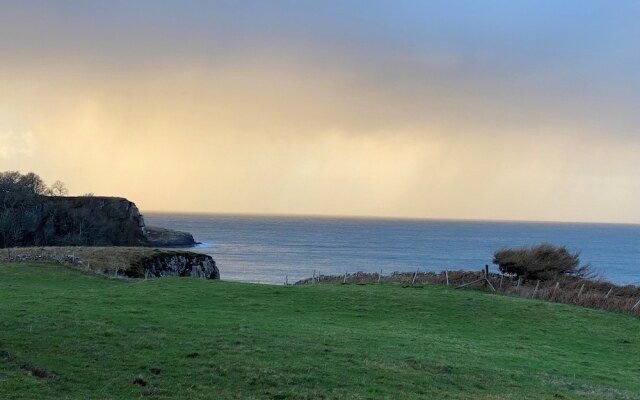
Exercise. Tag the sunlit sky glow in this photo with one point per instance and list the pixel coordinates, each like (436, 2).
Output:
(518, 110)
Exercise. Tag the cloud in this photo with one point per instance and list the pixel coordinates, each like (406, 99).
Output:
(16, 144)
(497, 109)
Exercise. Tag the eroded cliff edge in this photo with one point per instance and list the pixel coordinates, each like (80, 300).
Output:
(162, 237)
(72, 221)
(133, 262)
(38, 220)
(174, 263)
(105, 235)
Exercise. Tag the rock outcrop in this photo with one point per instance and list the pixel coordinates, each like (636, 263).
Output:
(161, 237)
(72, 221)
(99, 221)
(30, 215)
(174, 263)
(134, 262)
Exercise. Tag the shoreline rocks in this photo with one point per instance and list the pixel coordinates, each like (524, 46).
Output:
(174, 263)
(162, 237)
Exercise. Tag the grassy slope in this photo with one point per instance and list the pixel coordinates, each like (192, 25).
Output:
(324, 341)
(97, 259)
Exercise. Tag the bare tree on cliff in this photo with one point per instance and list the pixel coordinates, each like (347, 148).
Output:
(58, 188)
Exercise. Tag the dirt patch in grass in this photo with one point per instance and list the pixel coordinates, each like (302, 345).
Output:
(37, 371)
(140, 381)
(33, 369)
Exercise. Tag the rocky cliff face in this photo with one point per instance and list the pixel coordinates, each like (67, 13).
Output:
(161, 237)
(102, 220)
(39, 220)
(135, 262)
(72, 221)
(174, 263)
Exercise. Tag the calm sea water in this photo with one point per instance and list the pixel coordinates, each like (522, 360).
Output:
(265, 249)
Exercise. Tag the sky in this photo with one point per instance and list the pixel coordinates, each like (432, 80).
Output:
(491, 110)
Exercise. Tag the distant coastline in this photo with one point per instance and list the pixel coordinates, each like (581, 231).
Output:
(266, 248)
(386, 218)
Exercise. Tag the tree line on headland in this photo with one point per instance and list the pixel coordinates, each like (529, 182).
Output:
(34, 214)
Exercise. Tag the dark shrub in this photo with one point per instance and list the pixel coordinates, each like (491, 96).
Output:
(542, 262)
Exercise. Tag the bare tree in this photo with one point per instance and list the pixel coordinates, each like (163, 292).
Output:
(58, 188)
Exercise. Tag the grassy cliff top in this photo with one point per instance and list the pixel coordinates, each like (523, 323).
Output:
(95, 259)
(69, 335)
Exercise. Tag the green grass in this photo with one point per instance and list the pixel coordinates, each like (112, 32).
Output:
(222, 340)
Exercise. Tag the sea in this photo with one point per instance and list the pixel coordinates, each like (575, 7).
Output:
(279, 249)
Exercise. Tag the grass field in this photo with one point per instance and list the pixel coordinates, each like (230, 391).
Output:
(65, 334)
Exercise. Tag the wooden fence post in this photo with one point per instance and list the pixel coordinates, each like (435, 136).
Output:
(553, 292)
(581, 289)
(344, 280)
(379, 276)
(313, 278)
(414, 276)
(501, 277)
(286, 280)
(535, 290)
(609, 293)
(446, 275)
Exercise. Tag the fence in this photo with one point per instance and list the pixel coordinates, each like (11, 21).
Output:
(568, 290)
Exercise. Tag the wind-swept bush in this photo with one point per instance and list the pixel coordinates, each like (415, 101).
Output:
(542, 262)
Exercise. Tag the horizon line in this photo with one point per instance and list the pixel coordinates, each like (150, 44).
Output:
(378, 217)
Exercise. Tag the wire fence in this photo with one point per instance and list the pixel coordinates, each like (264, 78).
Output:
(596, 294)
(568, 290)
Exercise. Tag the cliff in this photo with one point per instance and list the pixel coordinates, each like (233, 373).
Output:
(32, 215)
(72, 221)
(28, 219)
(133, 262)
(174, 263)
(161, 237)
(99, 221)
